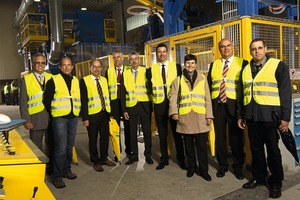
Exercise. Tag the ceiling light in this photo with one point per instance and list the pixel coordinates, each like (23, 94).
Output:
(83, 7)
(37, 0)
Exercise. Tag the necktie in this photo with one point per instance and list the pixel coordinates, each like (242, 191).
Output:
(223, 97)
(119, 82)
(135, 75)
(41, 80)
(163, 73)
(100, 93)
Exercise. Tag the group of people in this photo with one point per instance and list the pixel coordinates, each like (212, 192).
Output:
(11, 93)
(233, 93)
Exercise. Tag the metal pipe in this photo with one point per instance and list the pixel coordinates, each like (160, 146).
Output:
(21, 12)
(56, 37)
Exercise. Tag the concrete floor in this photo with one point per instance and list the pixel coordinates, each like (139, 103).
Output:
(141, 181)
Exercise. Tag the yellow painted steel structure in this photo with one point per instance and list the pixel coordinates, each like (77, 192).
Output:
(281, 37)
(24, 170)
(34, 29)
(83, 68)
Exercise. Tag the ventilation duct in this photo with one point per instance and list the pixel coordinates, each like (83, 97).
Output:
(21, 12)
(56, 27)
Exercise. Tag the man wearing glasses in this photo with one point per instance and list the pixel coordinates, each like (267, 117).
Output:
(31, 106)
(95, 110)
(265, 89)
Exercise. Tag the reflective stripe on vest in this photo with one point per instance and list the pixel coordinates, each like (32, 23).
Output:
(264, 86)
(135, 91)
(157, 82)
(94, 101)
(35, 93)
(231, 80)
(61, 103)
(194, 100)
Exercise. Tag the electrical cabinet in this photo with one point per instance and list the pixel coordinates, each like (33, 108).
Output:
(287, 159)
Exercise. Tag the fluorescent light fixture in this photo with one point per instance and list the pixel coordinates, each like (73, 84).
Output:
(83, 7)
(37, 0)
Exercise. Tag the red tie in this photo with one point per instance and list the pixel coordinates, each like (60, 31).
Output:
(119, 82)
(223, 97)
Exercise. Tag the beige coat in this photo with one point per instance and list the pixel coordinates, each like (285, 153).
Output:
(191, 123)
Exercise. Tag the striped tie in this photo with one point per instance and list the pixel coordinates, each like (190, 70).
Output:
(100, 93)
(223, 97)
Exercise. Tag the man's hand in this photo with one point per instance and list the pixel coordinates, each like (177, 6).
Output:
(284, 126)
(86, 123)
(126, 116)
(241, 123)
(208, 121)
(28, 126)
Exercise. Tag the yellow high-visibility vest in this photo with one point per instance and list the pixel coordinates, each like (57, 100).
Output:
(35, 93)
(61, 103)
(263, 87)
(157, 81)
(192, 100)
(231, 80)
(135, 91)
(94, 101)
(6, 89)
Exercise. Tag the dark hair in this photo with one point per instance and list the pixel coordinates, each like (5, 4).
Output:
(95, 59)
(161, 45)
(257, 40)
(188, 57)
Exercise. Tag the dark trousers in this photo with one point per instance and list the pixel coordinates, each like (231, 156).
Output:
(37, 136)
(199, 141)
(161, 118)
(64, 133)
(98, 124)
(136, 113)
(117, 114)
(223, 117)
(260, 134)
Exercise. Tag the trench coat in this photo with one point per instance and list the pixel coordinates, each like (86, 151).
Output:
(191, 123)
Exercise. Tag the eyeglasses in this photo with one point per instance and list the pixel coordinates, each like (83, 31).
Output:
(40, 63)
(257, 49)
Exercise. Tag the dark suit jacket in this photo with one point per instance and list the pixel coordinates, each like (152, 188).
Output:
(161, 108)
(39, 120)
(84, 101)
(115, 104)
(147, 105)
(231, 103)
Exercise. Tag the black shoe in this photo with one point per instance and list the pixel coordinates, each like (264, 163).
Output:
(253, 184)
(162, 165)
(149, 160)
(238, 174)
(131, 160)
(59, 183)
(182, 165)
(69, 175)
(205, 176)
(275, 192)
(190, 173)
(221, 172)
